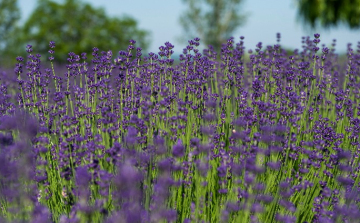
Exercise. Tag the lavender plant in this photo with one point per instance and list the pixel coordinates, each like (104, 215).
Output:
(239, 136)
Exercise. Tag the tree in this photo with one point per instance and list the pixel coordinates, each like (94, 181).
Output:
(214, 21)
(328, 13)
(9, 17)
(76, 27)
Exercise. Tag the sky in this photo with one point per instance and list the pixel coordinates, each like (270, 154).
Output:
(265, 19)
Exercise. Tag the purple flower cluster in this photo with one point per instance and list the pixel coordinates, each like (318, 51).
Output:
(230, 136)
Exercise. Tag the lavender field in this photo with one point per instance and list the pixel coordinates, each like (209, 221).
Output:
(241, 136)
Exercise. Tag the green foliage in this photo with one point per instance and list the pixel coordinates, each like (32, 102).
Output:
(213, 21)
(328, 13)
(76, 27)
(9, 16)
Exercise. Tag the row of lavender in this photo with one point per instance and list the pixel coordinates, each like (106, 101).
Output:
(216, 138)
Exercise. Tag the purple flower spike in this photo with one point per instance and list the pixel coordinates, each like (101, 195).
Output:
(52, 44)
(178, 149)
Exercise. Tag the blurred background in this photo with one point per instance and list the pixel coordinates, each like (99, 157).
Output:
(79, 25)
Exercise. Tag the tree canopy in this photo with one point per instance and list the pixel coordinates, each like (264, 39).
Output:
(75, 27)
(330, 13)
(9, 17)
(214, 21)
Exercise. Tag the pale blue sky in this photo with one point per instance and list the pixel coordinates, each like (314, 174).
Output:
(266, 18)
